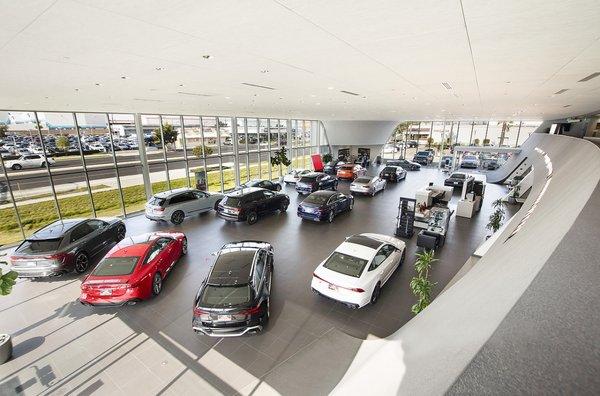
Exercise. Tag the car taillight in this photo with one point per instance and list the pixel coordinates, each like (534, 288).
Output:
(199, 312)
(355, 289)
(251, 311)
(318, 277)
(159, 209)
(59, 257)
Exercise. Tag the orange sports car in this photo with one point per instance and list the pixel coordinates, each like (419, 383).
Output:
(351, 171)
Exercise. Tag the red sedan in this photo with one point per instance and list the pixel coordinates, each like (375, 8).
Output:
(133, 270)
(351, 171)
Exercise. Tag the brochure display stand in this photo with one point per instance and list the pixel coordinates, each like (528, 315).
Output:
(406, 217)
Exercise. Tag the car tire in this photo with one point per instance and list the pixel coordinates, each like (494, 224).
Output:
(82, 262)
(16, 167)
(177, 217)
(184, 246)
(120, 234)
(283, 207)
(156, 284)
(335, 186)
(376, 293)
(251, 218)
(402, 258)
(217, 204)
(43, 164)
(330, 217)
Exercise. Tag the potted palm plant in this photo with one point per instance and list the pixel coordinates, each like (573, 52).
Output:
(7, 281)
(421, 285)
(280, 158)
(327, 158)
(495, 220)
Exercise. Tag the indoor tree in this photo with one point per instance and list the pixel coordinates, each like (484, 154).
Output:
(421, 285)
(280, 159)
(327, 157)
(495, 220)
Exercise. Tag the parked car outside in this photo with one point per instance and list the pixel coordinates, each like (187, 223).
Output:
(325, 205)
(355, 271)
(457, 179)
(262, 183)
(250, 203)
(316, 181)
(134, 269)
(369, 185)
(235, 297)
(423, 157)
(493, 164)
(176, 205)
(469, 161)
(393, 173)
(65, 246)
(29, 161)
(412, 144)
(404, 164)
(350, 171)
(294, 175)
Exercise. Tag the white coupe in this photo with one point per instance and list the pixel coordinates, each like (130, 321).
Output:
(357, 270)
(295, 175)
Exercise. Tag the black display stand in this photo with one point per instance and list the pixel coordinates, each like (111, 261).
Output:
(406, 217)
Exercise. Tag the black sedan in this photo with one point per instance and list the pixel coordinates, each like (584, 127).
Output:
(325, 205)
(316, 181)
(235, 297)
(393, 173)
(65, 246)
(249, 203)
(404, 164)
(262, 183)
(458, 179)
(332, 167)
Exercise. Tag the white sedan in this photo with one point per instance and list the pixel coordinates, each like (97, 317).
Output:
(295, 175)
(357, 270)
(29, 161)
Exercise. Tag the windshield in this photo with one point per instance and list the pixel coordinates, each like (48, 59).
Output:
(362, 180)
(225, 296)
(345, 264)
(251, 183)
(457, 176)
(316, 199)
(35, 246)
(470, 158)
(116, 266)
(231, 201)
(305, 179)
(422, 153)
(155, 201)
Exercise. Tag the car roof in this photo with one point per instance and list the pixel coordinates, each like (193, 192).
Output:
(169, 193)
(56, 230)
(244, 191)
(326, 193)
(314, 174)
(233, 267)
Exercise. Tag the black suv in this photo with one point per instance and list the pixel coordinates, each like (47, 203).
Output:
(248, 203)
(423, 157)
(235, 297)
(316, 181)
(65, 246)
(332, 167)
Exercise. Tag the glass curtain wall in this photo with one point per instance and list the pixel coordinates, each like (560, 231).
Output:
(59, 165)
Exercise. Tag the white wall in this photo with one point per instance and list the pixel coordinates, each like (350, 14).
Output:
(359, 133)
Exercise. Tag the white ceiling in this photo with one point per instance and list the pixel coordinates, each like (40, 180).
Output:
(504, 59)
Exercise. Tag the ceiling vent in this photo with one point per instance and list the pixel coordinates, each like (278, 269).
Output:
(195, 94)
(561, 91)
(447, 86)
(588, 78)
(258, 86)
(350, 93)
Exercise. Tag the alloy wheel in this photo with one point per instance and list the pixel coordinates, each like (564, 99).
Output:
(330, 217)
(156, 284)
(252, 217)
(81, 263)
(184, 247)
(376, 293)
(177, 217)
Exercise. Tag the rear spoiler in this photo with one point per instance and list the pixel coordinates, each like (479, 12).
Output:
(248, 244)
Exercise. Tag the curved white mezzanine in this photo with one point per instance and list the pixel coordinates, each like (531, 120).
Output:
(428, 354)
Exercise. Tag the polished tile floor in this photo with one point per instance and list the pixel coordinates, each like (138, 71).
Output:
(62, 347)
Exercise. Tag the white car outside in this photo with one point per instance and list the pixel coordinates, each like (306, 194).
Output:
(357, 270)
(176, 205)
(29, 161)
(97, 147)
(295, 175)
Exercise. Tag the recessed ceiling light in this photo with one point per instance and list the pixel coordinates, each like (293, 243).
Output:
(508, 82)
(364, 97)
(264, 71)
(76, 89)
(447, 86)
(227, 97)
(159, 68)
(207, 56)
(181, 85)
(97, 84)
(124, 77)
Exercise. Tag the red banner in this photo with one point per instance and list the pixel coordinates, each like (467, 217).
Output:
(317, 162)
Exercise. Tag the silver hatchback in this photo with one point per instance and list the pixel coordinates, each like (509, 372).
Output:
(176, 205)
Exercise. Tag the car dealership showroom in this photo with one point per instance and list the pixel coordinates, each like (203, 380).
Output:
(299, 197)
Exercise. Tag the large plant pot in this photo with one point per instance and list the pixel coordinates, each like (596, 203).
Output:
(6, 348)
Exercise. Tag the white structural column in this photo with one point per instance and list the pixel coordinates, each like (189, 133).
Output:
(236, 154)
(142, 152)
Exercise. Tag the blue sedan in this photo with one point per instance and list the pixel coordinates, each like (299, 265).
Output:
(325, 205)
